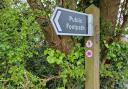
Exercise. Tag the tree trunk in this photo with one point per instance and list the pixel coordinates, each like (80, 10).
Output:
(63, 43)
(109, 10)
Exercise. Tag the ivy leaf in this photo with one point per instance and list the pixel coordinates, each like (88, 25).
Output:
(51, 60)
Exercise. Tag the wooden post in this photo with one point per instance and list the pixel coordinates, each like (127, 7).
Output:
(92, 51)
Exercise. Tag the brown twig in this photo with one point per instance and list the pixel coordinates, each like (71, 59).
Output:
(27, 80)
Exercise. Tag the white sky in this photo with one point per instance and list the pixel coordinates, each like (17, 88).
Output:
(23, 0)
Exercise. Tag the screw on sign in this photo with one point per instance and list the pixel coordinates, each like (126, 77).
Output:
(89, 53)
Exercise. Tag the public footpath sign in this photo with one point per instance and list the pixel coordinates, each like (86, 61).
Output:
(69, 22)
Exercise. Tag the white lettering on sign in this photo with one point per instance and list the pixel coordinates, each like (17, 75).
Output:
(74, 19)
(89, 53)
(89, 44)
(75, 27)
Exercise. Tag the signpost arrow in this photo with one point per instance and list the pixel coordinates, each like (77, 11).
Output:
(69, 22)
(56, 20)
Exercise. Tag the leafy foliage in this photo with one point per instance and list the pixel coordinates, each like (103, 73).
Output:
(114, 73)
(71, 66)
(18, 33)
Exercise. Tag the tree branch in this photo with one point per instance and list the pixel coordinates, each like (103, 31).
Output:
(63, 43)
(36, 4)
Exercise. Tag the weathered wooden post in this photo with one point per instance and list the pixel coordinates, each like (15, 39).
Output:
(92, 51)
